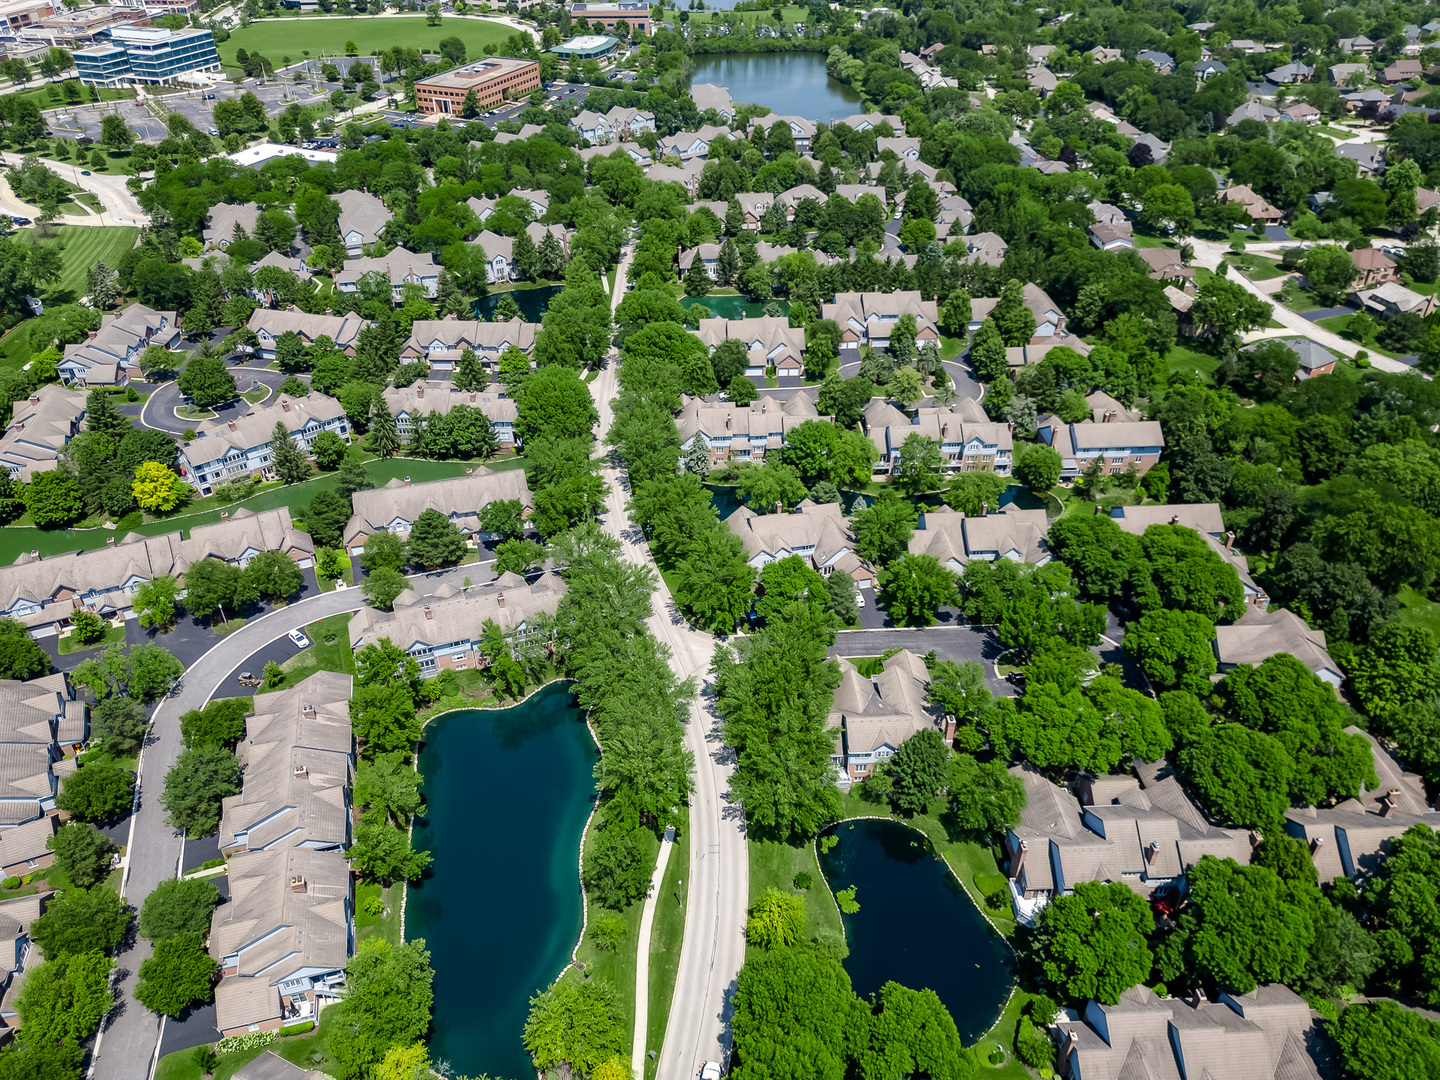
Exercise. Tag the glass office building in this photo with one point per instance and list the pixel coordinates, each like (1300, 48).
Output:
(147, 55)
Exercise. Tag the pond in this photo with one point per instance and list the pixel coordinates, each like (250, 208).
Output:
(733, 307)
(531, 302)
(916, 926)
(507, 795)
(790, 83)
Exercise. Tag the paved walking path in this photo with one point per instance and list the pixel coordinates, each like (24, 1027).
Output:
(642, 967)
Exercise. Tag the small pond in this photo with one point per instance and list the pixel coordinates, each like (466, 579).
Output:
(531, 302)
(916, 926)
(733, 307)
(790, 83)
(507, 794)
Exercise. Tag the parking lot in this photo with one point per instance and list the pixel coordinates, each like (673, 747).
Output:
(85, 120)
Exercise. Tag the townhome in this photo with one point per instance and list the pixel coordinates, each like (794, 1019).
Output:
(1142, 830)
(986, 248)
(1372, 268)
(41, 426)
(770, 341)
(42, 727)
(1262, 635)
(868, 318)
(240, 536)
(801, 128)
(24, 848)
(537, 233)
(969, 440)
(362, 218)
(616, 125)
(269, 325)
(394, 507)
(1049, 318)
(282, 939)
(708, 96)
(1351, 838)
(109, 354)
(595, 128)
(224, 217)
(817, 532)
(742, 432)
(539, 200)
(634, 151)
(401, 266)
(441, 341)
(953, 538)
(753, 205)
(903, 146)
(954, 217)
(1264, 1034)
(795, 196)
(299, 760)
(499, 255)
(1205, 519)
(708, 255)
(686, 175)
(1119, 445)
(690, 144)
(438, 398)
(870, 121)
(873, 717)
(225, 448)
(18, 953)
(443, 630)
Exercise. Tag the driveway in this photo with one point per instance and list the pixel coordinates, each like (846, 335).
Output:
(959, 643)
(1329, 312)
(159, 409)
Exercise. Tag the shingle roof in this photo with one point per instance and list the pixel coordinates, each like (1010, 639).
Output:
(460, 498)
(885, 710)
(435, 621)
(40, 426)
(362, 213)
(1267, 634)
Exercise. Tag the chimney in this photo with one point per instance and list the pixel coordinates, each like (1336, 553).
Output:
(1151, 850)
(1230, 540)
(1198, 1000)
(34, 399)
(1109, 416)
(35, 556)
(1315, 845)
(1072, 1044)
(1019, 860)
(472, 397)
(232, 425)
(297, 884)
(330, 312)
(19, 427)
(224, 515)
(1099, 509)
(944, 430)
(302, 773)
(110, 541)
(1388, 803)
(779, 507)
(407, 479)
(500, 600)
(428, 615)
(420, 392)
(285, 404)
(307, 711)
(984, 508)
(727, 423)
(1011, 427)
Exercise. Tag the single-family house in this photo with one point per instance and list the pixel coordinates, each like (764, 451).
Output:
(1164, 62)
(298, 755)
(1247, 47)
(1294, 72)
(1017, 356)
(1392, 298)
(1298, 112)
(742, 432)
(1368, 157)
(1207, 69)
(969, 440)
(708, 96)
(362, 218)
(873, 716)
(1254, 203)
(1105, 55)
(1166, 265)
(1119, 446)
(1373, 268)
(1402, 71)
(443, 630)
(1108, 237)
(1349, 74)
(817, 532)
(987, 247)
(1313, 359)
(870, 317)
(227, 447)
(1252, 110)
(225, 218)
(394, 507)
(409, 403)
(770, 342)
(41, 426)
(1036, 54)
(269, 326)
(441, 341)
(953, 538)
(1356, 46)
(400, 266)
(108, 355)
(1042, 80)
(1049, 318)
(1205, 520)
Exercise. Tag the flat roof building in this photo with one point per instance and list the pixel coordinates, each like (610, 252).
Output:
(634, 15)
(587, 47)
(495, 79)
(147, 55)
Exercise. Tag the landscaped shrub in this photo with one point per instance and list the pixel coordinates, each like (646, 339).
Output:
(1032, 1045)
(608, 931)
(10, 883)
(776, 920)
(251, 1040)
(297, 1029)
(802, 880)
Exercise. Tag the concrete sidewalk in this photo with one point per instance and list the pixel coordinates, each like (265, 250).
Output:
(642, 963)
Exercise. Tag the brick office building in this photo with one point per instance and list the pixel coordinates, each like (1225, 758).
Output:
(495, 80)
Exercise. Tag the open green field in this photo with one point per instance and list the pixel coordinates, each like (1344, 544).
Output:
(81, 247)
(788, 15)
(1419, 610)
(276, 40)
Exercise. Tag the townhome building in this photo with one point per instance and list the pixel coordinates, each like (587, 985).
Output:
(969, 440)
(872, 717)
(394, 507)
(42, 728)
(1142, 830)
(439, 398)
(742, 432)
(707, 255)
(1049, 317)
(690, 144)
(770, 342)
(708, 96)
(1118, 445)
(109, 354)
(634, 151)
(792, 198)
(225, 448)
(619, 124)
(1264, 1034)
(400, 266)
(499, 256)
(362, 218)
(903, 146)
(868, 318)
(282, 939)
(270, 325)
(25, 848)
(801, 128)
(686, 175)
(954, 539)
(986, 248)
(1261, 635)
(443, 630)
(241, 535)
(41, 426)
(817, 532)
(18, 953)
(1206, 520)
(441, 341)
(223, 220)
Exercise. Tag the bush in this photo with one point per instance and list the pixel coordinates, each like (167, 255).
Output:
(608, 931)
(11, 883)
(802, 880)
(777, 920)
(1032, 1046)
(251, 1040)
(297, 1029)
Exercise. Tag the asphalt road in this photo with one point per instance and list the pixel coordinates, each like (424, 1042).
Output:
(159, 409)
(959, 643)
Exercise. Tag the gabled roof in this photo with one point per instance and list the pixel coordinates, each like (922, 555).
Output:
(885, 710)
(363, 213)
(437, 619)
(461, 497)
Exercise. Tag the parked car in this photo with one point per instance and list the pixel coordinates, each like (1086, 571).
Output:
(84, 172)
(19, 220)
(859, 598)
(214, 131)
(300, 640)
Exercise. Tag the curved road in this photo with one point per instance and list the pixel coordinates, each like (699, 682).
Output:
(158, 412)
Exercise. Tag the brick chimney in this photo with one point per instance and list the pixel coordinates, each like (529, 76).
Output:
(232, 425)
(1389, 803)
(302, 773)
(1198, 999)
(428, 614)
(1315, 845)
(1151, 850)
(297, 884)
(307, 711)
(1230, 540)
(420, 392)
(1109, 416)
(1019, 860)
(500, 600)
(1099, 509)
(1174, 519)
(407, 479)
(285, 404)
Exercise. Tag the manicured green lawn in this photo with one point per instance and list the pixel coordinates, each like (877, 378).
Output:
(327, 37)
(81, 247)
(774, 865)
(1180, 358)
(1418, 610)
(951, 347)
(666, 936)
(320, 655)
(788, 15)
(386, 925)
(305, 1050)
(1264, 269)
(68, 644)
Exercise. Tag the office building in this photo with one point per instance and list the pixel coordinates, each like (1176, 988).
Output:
(495, 80)
(148, 55)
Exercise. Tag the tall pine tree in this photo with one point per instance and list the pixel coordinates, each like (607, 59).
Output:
(469, 375)
(290, 462)
(384, 435)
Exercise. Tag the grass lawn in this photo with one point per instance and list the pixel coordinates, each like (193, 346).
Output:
(328, 584)
(665, 939)
(951, 347)
(1179, 358)
(306, 1050)
(193, 412)
(774, 865)
(90, 200)
(113, 635)
(1418, 610)
(81, 247)
(1304, 302)
(327, 37)
(96, 756)
(1264, 269)
(386, 925)
(788, 14)
(320, 655)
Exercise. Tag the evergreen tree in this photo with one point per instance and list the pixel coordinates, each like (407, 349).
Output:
(987, 354)
(727, 268)
(103, 418)
(551, 262)
(697, 457)
(469, 374)
(524, 256)
(734, 218)
(384, 435)
(290, 462)
(1012, 316)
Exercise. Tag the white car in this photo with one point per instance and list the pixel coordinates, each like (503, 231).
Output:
(859, 598)
(300, 640)
(710, 1071)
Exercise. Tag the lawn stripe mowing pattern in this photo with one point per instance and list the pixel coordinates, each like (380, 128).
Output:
(82, 246)
(277, 39)
(17, 540)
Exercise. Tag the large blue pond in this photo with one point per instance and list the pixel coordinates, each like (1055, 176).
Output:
(790, 83)
(531, 302)
(916, 926)
(507, 795)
